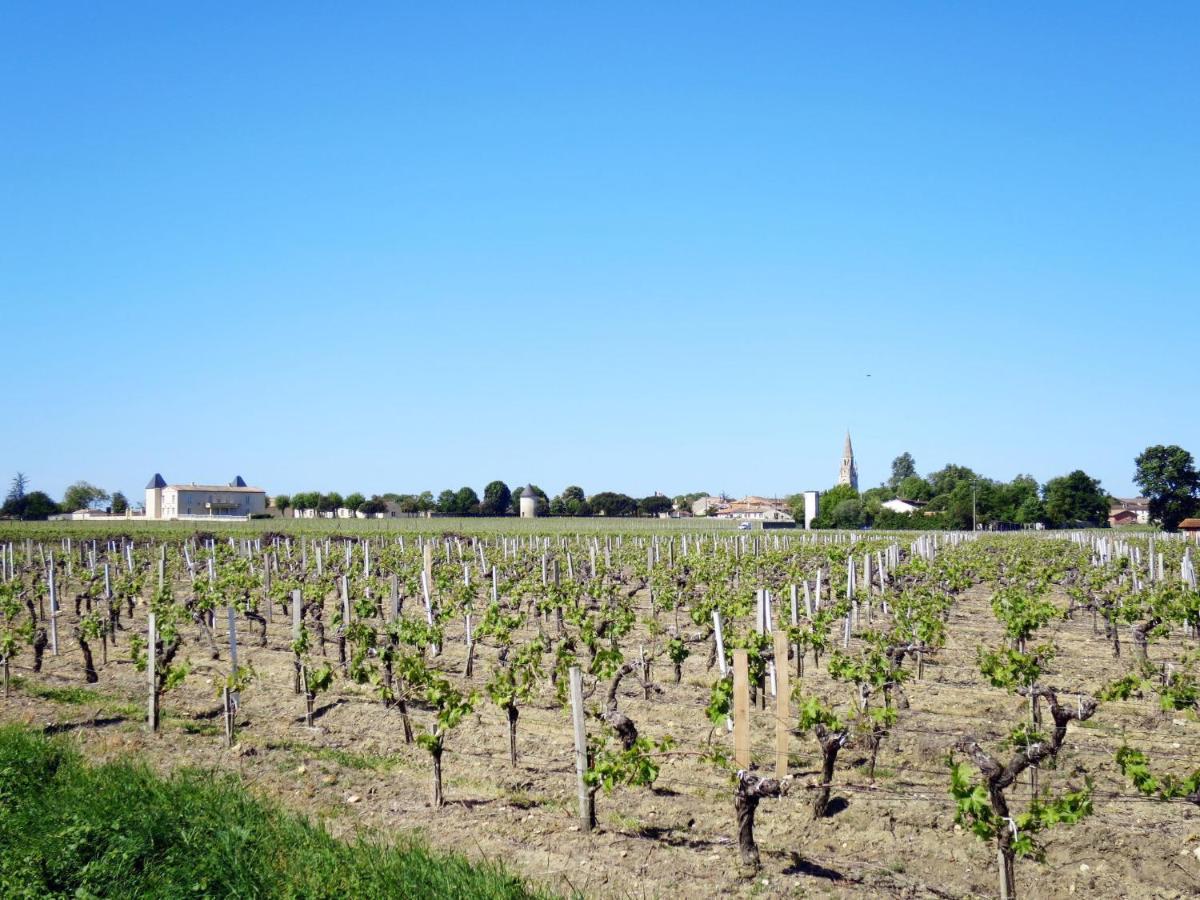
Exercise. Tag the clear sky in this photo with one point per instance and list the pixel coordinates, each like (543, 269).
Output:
(633, 247)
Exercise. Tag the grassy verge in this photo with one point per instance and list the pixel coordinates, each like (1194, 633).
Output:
(68, 828)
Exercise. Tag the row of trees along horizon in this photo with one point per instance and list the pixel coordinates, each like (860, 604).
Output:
(954, 497)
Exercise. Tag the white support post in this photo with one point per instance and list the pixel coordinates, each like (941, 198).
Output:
(587, 813)
(53, 609)
(151, 662)
(234, 696)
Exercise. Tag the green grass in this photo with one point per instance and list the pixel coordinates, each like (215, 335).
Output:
(347, 759)
(76, 696)
(70, 829)
(510, 526)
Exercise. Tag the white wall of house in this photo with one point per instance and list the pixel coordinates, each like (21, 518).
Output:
(174, 501)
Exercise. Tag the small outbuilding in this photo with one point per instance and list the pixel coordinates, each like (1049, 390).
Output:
(1190, 526)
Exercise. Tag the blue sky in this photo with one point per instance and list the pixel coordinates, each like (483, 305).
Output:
(635, 247)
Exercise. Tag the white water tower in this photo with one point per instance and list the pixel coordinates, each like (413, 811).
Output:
(529, 501)
(811, 499)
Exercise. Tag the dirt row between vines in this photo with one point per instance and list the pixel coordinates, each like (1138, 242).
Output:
(895, 837)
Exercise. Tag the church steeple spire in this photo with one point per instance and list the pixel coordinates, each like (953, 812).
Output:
(849, 472)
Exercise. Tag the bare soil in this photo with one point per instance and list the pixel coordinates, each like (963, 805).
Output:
(895, 837)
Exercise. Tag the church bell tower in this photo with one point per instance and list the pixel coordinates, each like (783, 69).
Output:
(849, 472)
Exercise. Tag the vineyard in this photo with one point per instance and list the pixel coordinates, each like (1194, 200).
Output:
(657, 710)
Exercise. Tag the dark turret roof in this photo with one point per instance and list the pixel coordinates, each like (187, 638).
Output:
(156, 482)
(529, 492)
(238, 481)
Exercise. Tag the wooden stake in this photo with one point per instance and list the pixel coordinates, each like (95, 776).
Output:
(782, 704)
(741, 709)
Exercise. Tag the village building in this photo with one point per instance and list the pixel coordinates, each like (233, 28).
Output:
(235, 500)
(705, 506)
(92, 515)
(1190, 526)
(391, 510)
(1139, 506)
(758, 509)
(903, 506)
(1122, 517)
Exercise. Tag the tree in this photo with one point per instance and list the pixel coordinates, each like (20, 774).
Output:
(354, 501)
(120, 504)
(446, 502)
(1020, 502)
(849, 514)
(652, 506)
(829, 501)
(1030, 512)
(960, 504)
(374, 506)
(903, 466)
(875, 496)
(34, 505)
(306, 500)
(18, 488)
(1167, 476)
(466, 502)
(574, 501)
(1075, 499)
(282, 502)
(914, 487)
(947, 478)
(608, 503)
(497, 499)
(82, 495)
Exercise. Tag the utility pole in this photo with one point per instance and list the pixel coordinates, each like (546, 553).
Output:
(974, 524)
